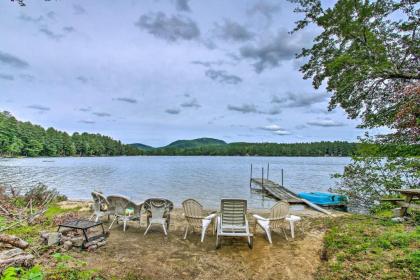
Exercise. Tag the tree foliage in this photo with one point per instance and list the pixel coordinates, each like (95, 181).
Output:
(26, 139)
(367, 53)
(377, 169)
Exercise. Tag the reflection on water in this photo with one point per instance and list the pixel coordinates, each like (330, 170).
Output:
(207, 179)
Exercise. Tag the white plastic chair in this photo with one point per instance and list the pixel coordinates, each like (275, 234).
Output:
(101, 206)
(232, 221)
(158, 213)
(278, 213)
(120, 205)
(193, 212)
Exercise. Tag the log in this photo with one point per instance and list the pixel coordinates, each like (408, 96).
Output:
(14, 240)
(25, 260)
(10, 253)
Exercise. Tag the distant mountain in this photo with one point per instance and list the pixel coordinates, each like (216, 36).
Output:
(142, 146)
(195, 143)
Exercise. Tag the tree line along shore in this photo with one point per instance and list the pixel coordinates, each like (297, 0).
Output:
(24, 139)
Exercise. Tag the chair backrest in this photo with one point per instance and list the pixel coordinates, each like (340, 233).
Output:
(233, 211)
(137, 209)
(158, 207)
(120, 203)
(279, 210)
(192, 208)
(100, 203)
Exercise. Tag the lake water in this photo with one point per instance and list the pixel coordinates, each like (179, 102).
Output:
(207, 179)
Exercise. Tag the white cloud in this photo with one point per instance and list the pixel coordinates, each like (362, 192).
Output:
(271, 127)
(282, 132)
(325, 123)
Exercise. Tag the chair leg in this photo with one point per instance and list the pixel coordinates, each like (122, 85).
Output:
(110, 226)
(218, 241)
(268, 232)
(292, 229)
(125, 225)
(203, 233)
(147, 229)
(186, 231)
(97, 219)
(164, 229)
(284, 232)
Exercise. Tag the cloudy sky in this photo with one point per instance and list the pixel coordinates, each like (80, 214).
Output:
(161, 70)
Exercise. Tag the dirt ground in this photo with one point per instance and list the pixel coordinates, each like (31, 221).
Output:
(155, 256)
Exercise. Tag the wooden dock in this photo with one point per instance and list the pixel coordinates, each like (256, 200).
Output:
(279, 192)
(275, 190)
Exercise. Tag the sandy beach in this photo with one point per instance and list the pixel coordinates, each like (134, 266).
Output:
(158, 257)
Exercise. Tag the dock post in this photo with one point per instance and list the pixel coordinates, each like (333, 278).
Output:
(268, 169)
(282, 177)
(250, 178)
(262, 177)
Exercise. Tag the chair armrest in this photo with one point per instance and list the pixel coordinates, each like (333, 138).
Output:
(258, 217)
(209, 217)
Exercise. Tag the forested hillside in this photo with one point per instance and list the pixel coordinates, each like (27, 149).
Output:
(262, 149)
(26, 139)
(195, 143)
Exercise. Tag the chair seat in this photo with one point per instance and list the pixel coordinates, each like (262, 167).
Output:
(263, 223)
(205, 222)
(157, 220)
(293, 218)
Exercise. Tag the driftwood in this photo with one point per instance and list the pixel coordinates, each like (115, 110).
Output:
(13, 240)
(15, 257)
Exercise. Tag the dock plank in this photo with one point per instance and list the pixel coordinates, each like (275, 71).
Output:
(277, 190)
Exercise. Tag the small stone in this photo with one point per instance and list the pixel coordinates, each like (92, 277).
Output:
(92, 247)
(77, 241)
(101, 243)
(398, 219)
(44, 235)
(65, 238)
(67, 245)
(54, 238)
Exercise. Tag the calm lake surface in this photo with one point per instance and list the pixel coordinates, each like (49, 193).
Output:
(207, 179)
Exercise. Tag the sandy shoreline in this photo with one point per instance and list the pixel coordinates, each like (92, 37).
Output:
(157, 257)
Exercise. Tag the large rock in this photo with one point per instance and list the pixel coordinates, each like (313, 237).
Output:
(53, 238)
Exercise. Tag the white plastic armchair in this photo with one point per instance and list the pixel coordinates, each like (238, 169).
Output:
(278, 213)
(100, 206)
(158, 213)
(193, 212)
(121, 206)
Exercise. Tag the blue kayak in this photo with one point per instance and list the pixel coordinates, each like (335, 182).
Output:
(325, 199)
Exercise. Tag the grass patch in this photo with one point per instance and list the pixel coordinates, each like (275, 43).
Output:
(31, 232)
(65, 268)
(363, 247)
